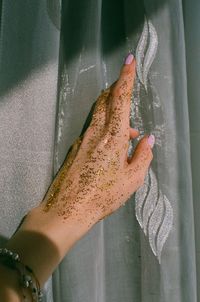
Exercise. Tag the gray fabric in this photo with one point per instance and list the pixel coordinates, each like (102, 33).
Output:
(113, 262)
(29, 52)
(192, 38)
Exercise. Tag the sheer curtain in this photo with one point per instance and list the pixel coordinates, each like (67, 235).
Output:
(55, 59)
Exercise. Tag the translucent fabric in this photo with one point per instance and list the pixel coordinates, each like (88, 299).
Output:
(55, 58)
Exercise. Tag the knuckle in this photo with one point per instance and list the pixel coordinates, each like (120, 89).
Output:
(147, 154)
(128, 74)
(120, 87)
(108, 138)
(126, 136)
(141, 179)
(116, 91)
(112, 130)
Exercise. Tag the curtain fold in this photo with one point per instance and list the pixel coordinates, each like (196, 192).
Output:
(29, 56)
(191, 12)
(55, 58)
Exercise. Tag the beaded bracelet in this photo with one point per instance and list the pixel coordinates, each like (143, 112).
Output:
(12, 260)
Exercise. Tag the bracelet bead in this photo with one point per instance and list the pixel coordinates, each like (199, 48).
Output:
(12, 260)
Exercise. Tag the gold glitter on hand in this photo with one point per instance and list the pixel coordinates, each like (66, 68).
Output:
(96, 177)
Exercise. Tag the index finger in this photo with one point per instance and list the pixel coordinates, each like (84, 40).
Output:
(120, 97)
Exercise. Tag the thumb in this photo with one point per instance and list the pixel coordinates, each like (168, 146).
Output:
(143, 154)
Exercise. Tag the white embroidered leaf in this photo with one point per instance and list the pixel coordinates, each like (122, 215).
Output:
(165, 227)
(144, 61)
(151, 201)
(140, 197)
(153, 210)
(151, 52)
(154, 223)
(154, 213)
(139, 55)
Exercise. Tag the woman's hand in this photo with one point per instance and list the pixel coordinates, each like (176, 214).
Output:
(97, 177)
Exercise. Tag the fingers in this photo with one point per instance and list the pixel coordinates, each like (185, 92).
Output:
(99, 114)
(142, 157)
(112, 107)
(134, 133)
(97, 124)
(120, 97)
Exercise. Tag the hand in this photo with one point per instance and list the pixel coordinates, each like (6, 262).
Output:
(97, 177)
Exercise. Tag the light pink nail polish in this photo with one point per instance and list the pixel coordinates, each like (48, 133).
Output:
(151, 140)
(129, 59)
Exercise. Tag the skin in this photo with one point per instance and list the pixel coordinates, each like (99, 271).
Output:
(95, 179)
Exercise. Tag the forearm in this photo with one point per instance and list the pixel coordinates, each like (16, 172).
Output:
(41, 241)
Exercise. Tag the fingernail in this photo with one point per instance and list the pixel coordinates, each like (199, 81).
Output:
(129, 59)
(151, 140)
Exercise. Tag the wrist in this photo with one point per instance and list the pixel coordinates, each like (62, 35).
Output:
(63, 233)
(43, 240)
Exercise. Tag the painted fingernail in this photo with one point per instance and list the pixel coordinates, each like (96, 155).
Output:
(129, 59)
(151, 140)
